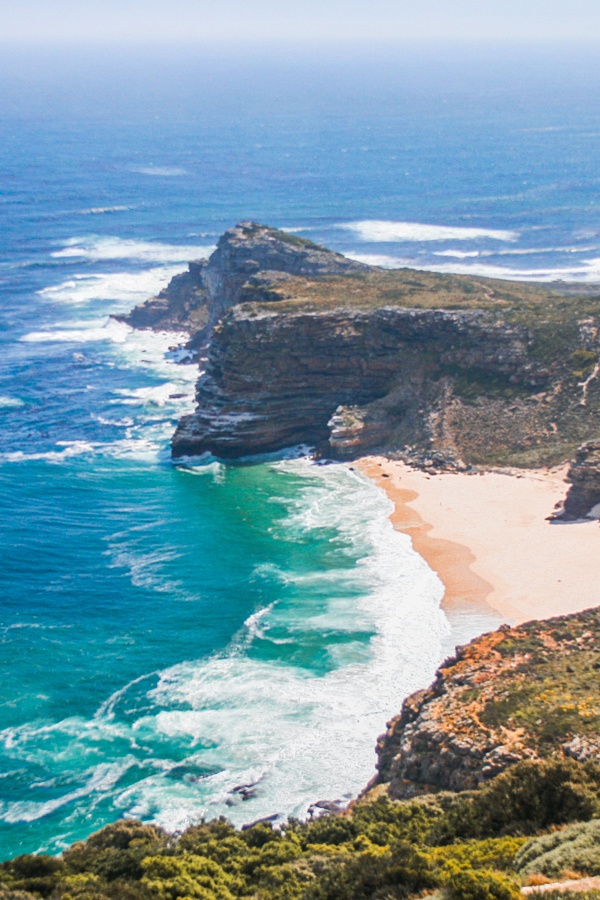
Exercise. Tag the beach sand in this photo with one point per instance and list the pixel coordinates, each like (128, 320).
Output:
(487, 537)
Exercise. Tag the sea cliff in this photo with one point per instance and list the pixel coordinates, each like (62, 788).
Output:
(304, 346)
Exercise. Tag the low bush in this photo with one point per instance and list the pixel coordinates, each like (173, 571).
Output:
(576, 848)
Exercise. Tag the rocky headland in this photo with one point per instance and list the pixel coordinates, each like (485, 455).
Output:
(302, 345)
(526, 693)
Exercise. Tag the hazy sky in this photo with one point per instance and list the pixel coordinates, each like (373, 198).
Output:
(252, 20)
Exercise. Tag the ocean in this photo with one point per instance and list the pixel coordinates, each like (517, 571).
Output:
(188, 642)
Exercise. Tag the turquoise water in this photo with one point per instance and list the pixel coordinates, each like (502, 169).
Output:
(180, 642)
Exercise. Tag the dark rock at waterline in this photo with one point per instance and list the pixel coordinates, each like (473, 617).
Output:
(584, 494)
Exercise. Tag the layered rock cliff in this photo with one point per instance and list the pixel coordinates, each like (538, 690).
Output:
(583, 496)
(305, 346)
(518, 693)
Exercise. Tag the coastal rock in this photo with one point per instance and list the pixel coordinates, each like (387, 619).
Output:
(248, 260)
(346, 380)
(181, 306)
(517, 693)
(583, 497)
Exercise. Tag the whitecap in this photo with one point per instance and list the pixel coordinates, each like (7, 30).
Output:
(161, 171)
(93, 330)
(587, 272)
(158, 395)
(384, 260)
(11, 402)
(99, 247)
(128, 287)
(101, 779)
(529, 251)
(101, 210)
(380, 231)
(71, 449)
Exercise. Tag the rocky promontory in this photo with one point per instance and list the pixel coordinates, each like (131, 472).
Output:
(305, 346)
(526, 693)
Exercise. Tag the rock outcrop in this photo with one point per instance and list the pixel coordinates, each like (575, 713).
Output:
(342, 378)
(583, 497)
(518, 693)
(181, 306)
(248, 258)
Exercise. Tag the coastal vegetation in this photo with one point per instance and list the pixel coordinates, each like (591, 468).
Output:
(474, 845)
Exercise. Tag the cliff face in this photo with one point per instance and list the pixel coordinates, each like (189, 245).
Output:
(305, 346)
(517, 693)
(583, 496)
(344, 378)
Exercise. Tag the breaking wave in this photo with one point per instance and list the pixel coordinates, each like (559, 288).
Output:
(98, 247)
(380, 231)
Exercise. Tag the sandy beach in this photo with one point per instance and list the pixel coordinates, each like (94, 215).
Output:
(487, 537)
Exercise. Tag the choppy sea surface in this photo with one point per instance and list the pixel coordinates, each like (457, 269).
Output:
(205, 640)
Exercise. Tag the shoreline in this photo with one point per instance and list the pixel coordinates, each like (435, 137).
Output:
(486, 536)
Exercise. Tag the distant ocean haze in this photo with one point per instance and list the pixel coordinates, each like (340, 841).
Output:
(188, 642)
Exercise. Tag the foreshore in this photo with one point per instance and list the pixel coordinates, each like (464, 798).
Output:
(487, 536)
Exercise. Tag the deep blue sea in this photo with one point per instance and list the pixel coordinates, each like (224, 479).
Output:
(207, 640)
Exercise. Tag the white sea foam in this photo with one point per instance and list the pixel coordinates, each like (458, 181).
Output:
(69, 450)
(161, 171)
(98, 247)
(93, 330)
(529, 251)
(11, 402)
(380, 231)
(101, 779)
(128, 287)
(101, 210)
(382, 259)
(586, 272)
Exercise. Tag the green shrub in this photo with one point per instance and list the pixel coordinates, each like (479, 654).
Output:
(482, 884)
(575, 848)
(34, 873)
(186, 878)
(493, 853)
(116, 852)
(525, 799)
(374, 873)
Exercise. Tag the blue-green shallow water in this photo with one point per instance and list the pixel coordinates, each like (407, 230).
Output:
(230, 639)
